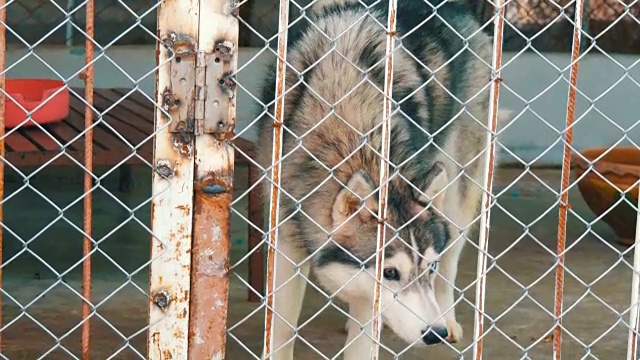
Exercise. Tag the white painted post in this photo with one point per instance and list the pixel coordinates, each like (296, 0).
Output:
(172, 207)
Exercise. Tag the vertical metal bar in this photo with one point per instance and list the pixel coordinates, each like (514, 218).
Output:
(172, 182)
(3, 52)
(634, 313)
(384, 174)
(274, 213)
(214, 167)
(88, 181)
(564, 188)
(492, 124)
(69, 26)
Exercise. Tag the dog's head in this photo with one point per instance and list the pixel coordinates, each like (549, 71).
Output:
(415, 235)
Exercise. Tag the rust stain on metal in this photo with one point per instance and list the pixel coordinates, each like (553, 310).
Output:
(210, 264)
(162, 299)
(283, 28)
(155, 339)
(224, 50)
(88, 181)
(165, 169)
(186, 210)
(166, 355)
(384, 174)
(183, 142)
(182, 314)
(564, 186)
(168, 100)
(498, 33)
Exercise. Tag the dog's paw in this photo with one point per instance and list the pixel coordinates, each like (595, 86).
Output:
(454, 331)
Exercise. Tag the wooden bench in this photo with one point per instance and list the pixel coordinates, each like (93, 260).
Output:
(127, 129)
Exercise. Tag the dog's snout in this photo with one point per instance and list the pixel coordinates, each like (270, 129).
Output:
(434, 335)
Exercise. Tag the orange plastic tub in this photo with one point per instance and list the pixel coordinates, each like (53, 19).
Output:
(30, 93)
(621, 167)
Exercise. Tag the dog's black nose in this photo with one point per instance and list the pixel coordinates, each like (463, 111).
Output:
(434, 335)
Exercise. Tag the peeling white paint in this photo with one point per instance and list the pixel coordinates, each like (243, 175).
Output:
(216, 232)
(198, 337)
(171, 220)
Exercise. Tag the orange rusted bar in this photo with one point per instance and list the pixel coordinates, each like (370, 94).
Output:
(274, 214)
(214, 167)
(384, 175)
(483, 238)
(564, 188)
(632, 342)
(88, 181)
(3, 51)
(210, 265)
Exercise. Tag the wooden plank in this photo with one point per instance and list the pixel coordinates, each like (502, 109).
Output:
(66, 134)
(43, 141)
(15, 142)
(115, 116)
(135, 103)
(122, 113)
(101, 135)
(107, 135)
(131, 134)
(112, 150)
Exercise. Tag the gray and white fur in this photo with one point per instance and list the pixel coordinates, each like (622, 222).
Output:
(330, 165)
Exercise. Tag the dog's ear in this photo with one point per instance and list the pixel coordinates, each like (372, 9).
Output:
(430, 191)
(359, 197)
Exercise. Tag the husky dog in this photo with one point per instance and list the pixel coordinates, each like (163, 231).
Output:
(330, 170)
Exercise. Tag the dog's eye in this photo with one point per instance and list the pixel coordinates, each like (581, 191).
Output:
(391, 274)
(433, 267)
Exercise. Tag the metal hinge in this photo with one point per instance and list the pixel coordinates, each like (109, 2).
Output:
(178, 98)
(215, 91)
(202, 91)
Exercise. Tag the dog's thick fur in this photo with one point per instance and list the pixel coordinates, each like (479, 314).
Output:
(331, 165)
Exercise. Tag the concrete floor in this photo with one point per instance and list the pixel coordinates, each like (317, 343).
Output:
(518, 319)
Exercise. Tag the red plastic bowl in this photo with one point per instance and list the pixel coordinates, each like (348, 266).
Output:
(30, 93)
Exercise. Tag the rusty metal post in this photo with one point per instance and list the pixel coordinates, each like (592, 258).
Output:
(88, 182)
(274, 206)
(564, 186)
(384, 175)
(492, 124)
(214, 160)
(3, 52)
(634, 311)
(172, 184)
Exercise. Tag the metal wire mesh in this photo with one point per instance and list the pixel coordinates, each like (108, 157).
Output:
(60, 22)
(540, 299)
(76, 232)
(552, 271)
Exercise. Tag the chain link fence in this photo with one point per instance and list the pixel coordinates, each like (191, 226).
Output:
(546, 24)
(77, 164)
(50, 22)
(155, 246)
(559, 270)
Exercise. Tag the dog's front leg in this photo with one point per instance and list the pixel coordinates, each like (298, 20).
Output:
(359, 331)
(289, 290)
(445, 286)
